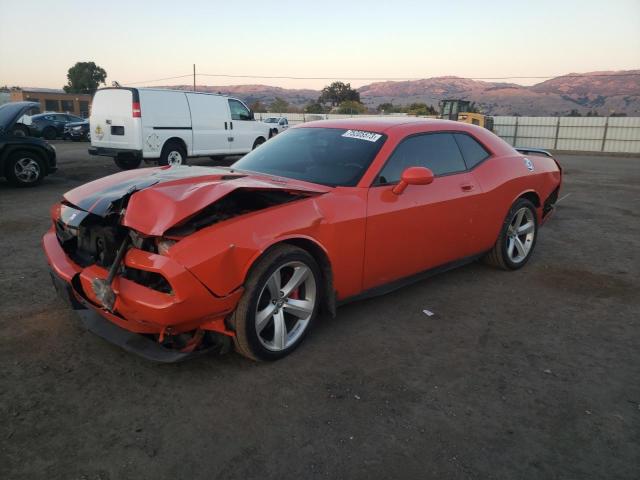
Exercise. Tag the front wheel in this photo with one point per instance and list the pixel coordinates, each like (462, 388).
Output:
(49, 133)
(517, 238)
(128, 162)
(25, 169)
(281, 300)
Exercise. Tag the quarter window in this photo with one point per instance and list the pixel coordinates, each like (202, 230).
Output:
(238, 110)
(472, 151)
(436, 151)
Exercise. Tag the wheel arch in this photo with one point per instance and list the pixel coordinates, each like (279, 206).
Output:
(178, 140)
(10, 149)
(319, 254)
(534, 198)
(530, 195)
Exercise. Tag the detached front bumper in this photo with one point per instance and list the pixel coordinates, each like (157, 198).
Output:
(140, 314)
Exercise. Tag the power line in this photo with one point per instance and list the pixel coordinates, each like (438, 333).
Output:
(290, 77)
(156, 80)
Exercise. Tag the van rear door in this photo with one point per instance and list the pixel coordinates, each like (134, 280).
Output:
(210, 122)
(115, 119)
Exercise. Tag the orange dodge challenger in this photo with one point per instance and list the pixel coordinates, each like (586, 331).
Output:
(170, 262)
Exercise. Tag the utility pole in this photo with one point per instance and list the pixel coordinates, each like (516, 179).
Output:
(194, 77)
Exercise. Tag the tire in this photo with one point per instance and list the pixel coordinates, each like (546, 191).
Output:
(20, 131)
(512, 251)
(259, 141)
(49, 133)
(25, 168)
(262, 342)
(173, 153)
(128, 163)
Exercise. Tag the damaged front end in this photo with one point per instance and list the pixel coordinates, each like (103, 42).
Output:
(109, 251)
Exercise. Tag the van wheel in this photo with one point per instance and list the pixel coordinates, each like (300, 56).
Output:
(128, 163)
(258, 142)
(173, 154)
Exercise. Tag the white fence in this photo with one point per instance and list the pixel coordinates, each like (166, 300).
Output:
(588, 134)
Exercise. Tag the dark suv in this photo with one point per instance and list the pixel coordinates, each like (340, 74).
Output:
(24, 161)
(51, 125)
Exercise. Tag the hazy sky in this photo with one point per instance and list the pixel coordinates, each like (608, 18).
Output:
(136, 41)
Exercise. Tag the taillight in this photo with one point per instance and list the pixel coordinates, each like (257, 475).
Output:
(137, 113)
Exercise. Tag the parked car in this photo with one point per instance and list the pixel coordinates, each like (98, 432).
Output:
(24, 160)
(51, 125)
(167, 126)
(277, 124)
(77, 131)
(171, 261)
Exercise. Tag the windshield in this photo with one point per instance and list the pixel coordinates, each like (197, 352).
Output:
(328, 156)
(271, 120)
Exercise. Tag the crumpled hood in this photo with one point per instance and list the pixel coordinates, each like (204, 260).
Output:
(162, 197)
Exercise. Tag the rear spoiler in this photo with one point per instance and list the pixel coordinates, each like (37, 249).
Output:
(534, 150)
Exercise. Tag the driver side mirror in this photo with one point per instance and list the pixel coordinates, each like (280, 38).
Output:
(413, 176)
(251, 115)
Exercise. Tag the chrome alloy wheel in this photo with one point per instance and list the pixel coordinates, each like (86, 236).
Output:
(27, 170)
(174, 158)
(285, 306)
(520, 235)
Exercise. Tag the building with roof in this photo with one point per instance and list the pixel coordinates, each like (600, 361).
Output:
(54, 100)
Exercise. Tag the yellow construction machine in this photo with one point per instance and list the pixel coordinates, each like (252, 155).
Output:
(459, 111)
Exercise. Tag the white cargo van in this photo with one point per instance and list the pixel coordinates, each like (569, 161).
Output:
(135, 124)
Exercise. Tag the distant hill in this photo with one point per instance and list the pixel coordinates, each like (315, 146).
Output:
(264, 93)
(593, 91)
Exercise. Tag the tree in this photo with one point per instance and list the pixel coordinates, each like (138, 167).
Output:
(85, 77)
(338, 92)
(279, 105)
(574, 113)
(419, 108)
(386, 107)
(351, 107)
(314, 107)
(258, 107)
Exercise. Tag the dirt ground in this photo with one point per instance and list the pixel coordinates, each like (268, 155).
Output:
(528, 374)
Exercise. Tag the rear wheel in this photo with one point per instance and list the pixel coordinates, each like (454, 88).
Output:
(127, 162)
(517, 238)
(258, 142)
(49, 133)
(281, 300)
(174, 154)
(20, 131)
(25, 169)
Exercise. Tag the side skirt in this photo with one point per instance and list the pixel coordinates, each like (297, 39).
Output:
(403, 282)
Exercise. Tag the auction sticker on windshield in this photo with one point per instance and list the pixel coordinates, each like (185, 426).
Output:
(359, 134)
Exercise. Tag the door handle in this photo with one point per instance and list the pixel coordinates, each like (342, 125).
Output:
(467, 187)
(225, 125)
(230, 125)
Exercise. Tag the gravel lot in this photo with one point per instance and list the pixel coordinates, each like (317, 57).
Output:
(529, 374)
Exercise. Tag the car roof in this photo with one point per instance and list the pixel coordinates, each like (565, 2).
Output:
(382, 125)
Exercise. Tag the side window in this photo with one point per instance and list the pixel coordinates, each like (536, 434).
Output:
(472, 151)
(238, 110)
(437, 151)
